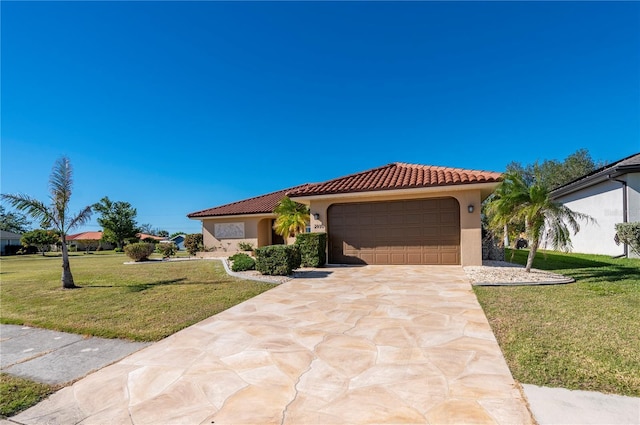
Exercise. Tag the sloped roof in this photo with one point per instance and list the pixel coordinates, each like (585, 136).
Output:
(397, 175)
(148, 236)
(5, 235)
(85, 236)
(262, 204)
(616, 169)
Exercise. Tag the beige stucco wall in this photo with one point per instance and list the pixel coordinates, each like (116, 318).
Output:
(470, 224)
(257, 231)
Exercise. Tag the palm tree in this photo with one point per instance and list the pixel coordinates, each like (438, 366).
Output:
(57, 214)
(516, 201)
(292, 218)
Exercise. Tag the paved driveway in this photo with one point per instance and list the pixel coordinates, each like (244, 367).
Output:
(374, 344)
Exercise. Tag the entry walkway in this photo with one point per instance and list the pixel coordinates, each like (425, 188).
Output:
(343, 345)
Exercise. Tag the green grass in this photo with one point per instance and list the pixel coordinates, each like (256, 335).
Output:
(17, 394)
(142, 302)
(584, 335)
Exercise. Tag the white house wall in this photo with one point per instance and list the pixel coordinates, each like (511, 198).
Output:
(633, 183)
(603, 202)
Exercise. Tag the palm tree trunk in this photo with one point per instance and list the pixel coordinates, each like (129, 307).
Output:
(533, 248)
(67, 277)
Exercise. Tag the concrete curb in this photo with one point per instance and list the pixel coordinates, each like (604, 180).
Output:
(225, 264)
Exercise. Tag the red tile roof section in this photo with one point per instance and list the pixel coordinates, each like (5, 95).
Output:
(397, 175)
(259, 205)
(85, 236)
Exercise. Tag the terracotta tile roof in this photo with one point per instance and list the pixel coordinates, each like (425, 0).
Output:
(397, 175)
(143, 236)
(85, 236)
(259, 205)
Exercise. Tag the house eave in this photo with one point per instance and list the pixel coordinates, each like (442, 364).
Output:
(236, 216)
(485, 188)
(600, 177)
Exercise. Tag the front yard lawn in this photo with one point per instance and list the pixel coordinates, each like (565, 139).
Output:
(584, 335)
(17, 394)
(142, 302)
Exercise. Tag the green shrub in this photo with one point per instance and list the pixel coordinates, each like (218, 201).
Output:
(277, 260)
(118, 250)
(139, 251)
(242, 262)
(312, 248)
(245, 246)
(193, 243)
(167, 249)
(629, 233)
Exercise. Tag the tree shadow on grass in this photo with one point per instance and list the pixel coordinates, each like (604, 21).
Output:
(144, 286)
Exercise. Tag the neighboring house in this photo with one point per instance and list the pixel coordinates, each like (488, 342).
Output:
(610, 195)
(396, 214)
(90, 240)
(8, 239)
(143, 236)
(178, 240)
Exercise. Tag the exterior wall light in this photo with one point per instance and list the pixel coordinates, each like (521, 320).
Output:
(316, 216)
(470, 208)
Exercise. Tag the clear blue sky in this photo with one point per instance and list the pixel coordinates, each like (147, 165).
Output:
(177, 107)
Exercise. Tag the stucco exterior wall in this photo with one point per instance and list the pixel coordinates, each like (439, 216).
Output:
(470, 225)
(256, 230)
(633, 183)
(603, 202)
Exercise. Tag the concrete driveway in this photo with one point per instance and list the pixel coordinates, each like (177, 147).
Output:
(374, 344)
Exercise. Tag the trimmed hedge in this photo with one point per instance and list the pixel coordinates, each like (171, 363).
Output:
(312, 248)
(139, 251)
(277, 260)
(242, 262)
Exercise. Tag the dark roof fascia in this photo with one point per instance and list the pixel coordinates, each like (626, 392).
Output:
(607, 173)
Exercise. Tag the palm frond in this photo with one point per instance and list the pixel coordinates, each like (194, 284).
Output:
(81, 218)
(33, 207)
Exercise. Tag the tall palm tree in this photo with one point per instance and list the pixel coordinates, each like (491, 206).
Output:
(516, 201)
(292, 218)
(56, 214)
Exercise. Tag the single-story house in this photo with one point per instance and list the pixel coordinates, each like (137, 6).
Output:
(395, 214)
(143, 236)
(178, 240)
(610, 195)
(88, 240)
(8, 239)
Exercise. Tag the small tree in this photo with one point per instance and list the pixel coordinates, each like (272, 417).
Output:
(40, 238)
(13, 221)
(292, 218)
(118, 221)
(517, 201)
(55, 215)
(193, 243)
(629, 233)
(89, 244)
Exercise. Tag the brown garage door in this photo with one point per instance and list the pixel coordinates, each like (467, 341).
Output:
(425, 231)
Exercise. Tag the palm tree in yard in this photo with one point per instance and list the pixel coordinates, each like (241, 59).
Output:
(56, 214)
(516, 201)
(292, 218)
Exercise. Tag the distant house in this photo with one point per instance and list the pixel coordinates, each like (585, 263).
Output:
(610, 195)
(179, 241)
(8, 239)
(143, 236)
(88, 241)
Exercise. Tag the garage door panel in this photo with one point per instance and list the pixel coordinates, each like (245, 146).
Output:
(398, 232)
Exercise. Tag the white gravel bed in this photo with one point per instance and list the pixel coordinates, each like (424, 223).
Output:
(498, 273)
